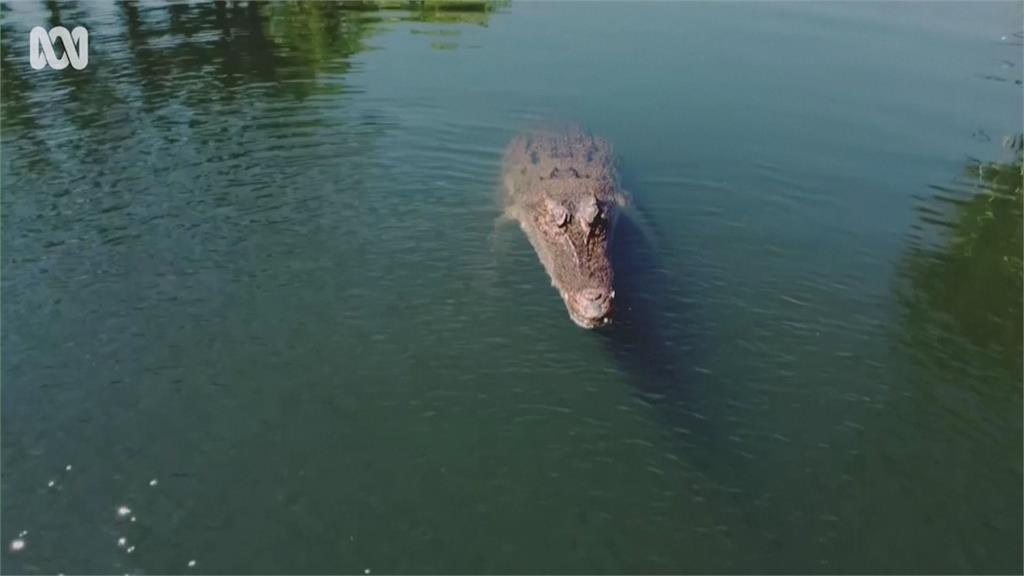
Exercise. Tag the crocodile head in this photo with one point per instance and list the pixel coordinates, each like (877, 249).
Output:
(570, 234)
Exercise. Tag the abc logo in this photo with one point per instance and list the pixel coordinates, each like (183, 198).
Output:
(75, 44)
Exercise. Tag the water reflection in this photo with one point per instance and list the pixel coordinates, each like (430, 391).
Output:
(200, 53)
(207, 51)
(963, 270)
(958, 404)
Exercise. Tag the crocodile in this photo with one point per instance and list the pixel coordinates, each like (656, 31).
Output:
(562, 188)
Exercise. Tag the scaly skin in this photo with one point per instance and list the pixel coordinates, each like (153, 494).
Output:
(562, 188)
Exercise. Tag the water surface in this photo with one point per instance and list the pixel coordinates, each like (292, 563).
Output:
(251, 253)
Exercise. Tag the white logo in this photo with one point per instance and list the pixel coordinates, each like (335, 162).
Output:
(76, 48)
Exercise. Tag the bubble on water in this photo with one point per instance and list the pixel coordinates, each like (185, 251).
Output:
(23, 533)
(51, 484)
(68, 467)
(121, 542)
(133, 518)
(367, 571)
(131, 549)
(123, 511)
(17, 545)
(152, 482)
(191, 563)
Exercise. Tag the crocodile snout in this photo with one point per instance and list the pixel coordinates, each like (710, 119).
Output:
(591, 307)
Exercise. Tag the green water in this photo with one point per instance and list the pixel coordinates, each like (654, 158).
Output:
(251, 253)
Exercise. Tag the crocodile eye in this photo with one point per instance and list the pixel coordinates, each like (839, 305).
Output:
(558, 214)
(591, 212)
(560, 218)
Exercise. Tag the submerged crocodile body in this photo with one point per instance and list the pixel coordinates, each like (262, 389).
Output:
(562, 188)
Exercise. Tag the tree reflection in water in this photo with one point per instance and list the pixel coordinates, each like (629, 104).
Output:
(964, 269)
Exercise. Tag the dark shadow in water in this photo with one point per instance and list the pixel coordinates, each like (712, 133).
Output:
(651, 336)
